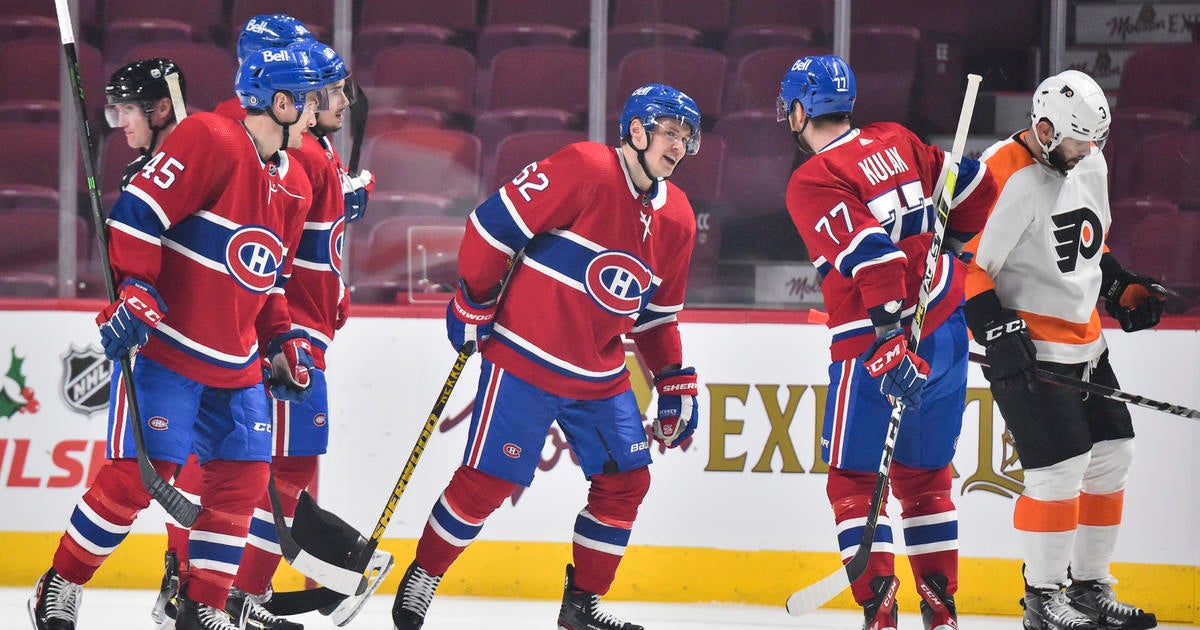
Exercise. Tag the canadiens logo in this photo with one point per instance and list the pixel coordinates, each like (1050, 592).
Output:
(337, 236)
(86, 376)
(158, 423)
(617, 281)
(512, 450)
(319, 420)
(253, 257)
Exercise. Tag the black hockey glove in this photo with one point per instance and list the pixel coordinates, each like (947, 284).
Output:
(1012, 358)
(1134, 300)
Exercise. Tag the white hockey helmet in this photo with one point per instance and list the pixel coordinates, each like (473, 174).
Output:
(1075, 105)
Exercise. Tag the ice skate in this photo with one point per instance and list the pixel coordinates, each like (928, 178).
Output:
(1049, 609)
(937, 608)
(1099, 602)
(581, 610)
(377, 569)
(413, 598)
(55, 602)
(240, 600)
(881, 611)
(167, 590)
(193, 615)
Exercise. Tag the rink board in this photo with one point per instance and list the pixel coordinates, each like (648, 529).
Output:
(739, 516)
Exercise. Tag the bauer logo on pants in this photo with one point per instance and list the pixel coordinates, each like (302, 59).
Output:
(86, 374)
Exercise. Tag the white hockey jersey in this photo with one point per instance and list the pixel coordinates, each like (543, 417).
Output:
(1041, 247)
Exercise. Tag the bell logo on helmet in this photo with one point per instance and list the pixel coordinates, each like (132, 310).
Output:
(276, 55)
(802, 64)
(256, 26)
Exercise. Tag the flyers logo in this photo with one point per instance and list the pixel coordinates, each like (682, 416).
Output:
(617, 281)
(337, 236)
(253, 257)
(1076, 233)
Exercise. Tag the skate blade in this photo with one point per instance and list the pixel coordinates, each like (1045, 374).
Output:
(377, 569)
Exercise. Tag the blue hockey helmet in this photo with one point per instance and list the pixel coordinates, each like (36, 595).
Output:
(823, 84)
(655, 100)
(291, 69)
(270, 31)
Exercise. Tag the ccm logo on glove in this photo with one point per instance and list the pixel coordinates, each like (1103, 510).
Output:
(1007, 328)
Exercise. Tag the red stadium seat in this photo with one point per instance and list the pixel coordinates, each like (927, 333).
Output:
(700, 175)
(521, 149)
(457, 15)
(38, 163)
(442, 162)
(754, 83)
(369, 40)
(208, 69)
(114, 157)
(812, 14)
(562, 73)
(427, 75)
(396, 118)
(759, 158)
(626, 38)
(31, 80)
(34, 27)
(699, 72)
(317, 15)
(707, 16)
(409, 260)
(1127, 214)
(1162, 76)
(493, 126)
(495, 38)
(748, 39)
(29, 241)
(885, 70)
(121, 35)
(1165, 166)
(576, 14)
(1131, 126)
(1164, 247)
(207, 17)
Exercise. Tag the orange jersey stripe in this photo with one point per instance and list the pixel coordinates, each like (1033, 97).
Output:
(1101, 510)
(1034, 515)
(1046, 328)
(1002, 164)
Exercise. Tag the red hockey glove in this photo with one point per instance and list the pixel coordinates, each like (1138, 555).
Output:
(899, 371)
(126, 323)
(291, 363)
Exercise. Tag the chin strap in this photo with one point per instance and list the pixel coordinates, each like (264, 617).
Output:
(796, 135)
(286, 127)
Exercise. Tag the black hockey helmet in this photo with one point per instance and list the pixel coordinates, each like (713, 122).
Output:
(143, 81)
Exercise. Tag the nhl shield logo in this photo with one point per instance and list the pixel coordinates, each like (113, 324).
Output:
(86, 376)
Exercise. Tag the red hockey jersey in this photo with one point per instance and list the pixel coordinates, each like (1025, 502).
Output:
(595, 260)
(316, 285)
(212, 227)
(863, 206)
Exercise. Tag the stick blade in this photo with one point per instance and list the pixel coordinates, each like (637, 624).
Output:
(815, 595)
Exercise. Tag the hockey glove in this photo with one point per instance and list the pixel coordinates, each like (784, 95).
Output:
(1134, 300)
(678, 413)
(356, 190)
(290, 365)
(468, 321)
(898, 370)
(1011, 355)
(126, 323)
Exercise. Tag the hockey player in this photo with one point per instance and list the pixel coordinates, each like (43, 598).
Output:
(199, 244)
(275, 31)
(318, 301)
(862, 204)
(139, 103)
(1039, 267)
(600, 234)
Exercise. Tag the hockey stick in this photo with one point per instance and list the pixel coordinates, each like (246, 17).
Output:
(358, 127)
(1103, 390)
(178, 506)
(808, 599)
(344, 581)
(295, 602)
